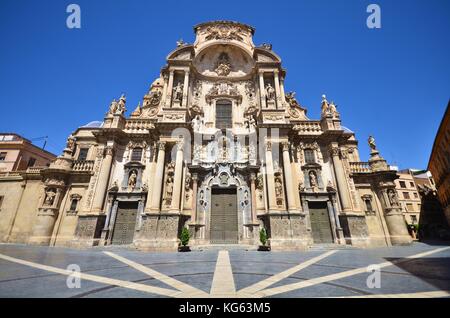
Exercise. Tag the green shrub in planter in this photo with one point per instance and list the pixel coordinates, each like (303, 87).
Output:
(263, 236)
(184, 236)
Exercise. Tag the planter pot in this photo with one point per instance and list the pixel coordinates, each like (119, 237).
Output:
(184, 249)
(264, 248)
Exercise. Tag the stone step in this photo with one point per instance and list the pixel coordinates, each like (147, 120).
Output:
(227, 247)
(329, 247)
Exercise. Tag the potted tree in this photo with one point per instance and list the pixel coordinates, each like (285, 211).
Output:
(184, 240)
(263, 239)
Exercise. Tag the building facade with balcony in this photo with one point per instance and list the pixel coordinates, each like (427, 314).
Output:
(217, 146)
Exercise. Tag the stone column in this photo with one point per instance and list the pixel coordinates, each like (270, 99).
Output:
(270, 178)
(175, 205)
(103, 178)
(288, 177)
(283, 96)
(169, 89)
(340, 179)
(253, 190)
(277, 88)
(148, 203)
(158, 179)
(194, 177)
(262, 90)
(185, 88)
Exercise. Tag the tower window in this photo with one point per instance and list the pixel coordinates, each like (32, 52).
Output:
(224, 114)
(309, 156)
(368, 205)
(83, 154)
(136, 155)
(73, 205)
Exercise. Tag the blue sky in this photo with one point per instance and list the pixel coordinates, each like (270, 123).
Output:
(392, 82)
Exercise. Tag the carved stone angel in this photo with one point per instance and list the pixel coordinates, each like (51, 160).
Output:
(270, 92)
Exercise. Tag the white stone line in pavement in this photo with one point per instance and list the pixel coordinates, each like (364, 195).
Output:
(429, 294)
(185, 288)
(223, 281)
(248, 291)
(332, 277)
(98, 279)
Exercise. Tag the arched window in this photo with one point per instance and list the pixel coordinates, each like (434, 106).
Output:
(224, 114)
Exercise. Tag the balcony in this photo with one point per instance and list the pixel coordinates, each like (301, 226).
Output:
(360, 167)
(83, 166)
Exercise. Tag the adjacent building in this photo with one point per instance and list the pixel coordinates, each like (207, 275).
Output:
(216, 145)
(408, 195)
(18, 153)
(439, 163)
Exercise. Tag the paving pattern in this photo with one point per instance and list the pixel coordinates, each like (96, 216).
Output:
(420, 270)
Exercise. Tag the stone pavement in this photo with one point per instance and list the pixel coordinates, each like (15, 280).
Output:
(420, 270)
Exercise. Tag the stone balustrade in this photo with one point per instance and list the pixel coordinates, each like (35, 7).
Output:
(308, 127)
(83, 165)
(359, 167)
(138, 125)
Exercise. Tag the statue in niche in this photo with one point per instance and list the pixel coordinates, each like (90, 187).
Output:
(178, 92)
(393, 200)
(278, 188)
(132, 179)
(250, 122)
(270, 92)
(49, 197)
(197, 123)
(372, 144)
(121, 105)
(169, 188)
(312, 179)
(223, 65)
(187, 185)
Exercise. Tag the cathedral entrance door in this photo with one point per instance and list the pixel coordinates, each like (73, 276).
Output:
(224, 216)
(125, 223)
(320, 222)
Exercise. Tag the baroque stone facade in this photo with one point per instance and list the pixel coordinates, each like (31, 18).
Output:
(217, 146)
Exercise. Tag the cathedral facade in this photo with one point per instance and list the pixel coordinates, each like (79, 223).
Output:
(216, 146)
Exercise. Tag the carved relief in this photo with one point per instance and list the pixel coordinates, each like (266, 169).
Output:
(223, 65)
(224, 32)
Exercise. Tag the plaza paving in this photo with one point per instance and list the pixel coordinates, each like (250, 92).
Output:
(420, 270)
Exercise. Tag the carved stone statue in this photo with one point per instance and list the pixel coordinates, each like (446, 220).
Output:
(132, 179)
(270, 92)
(278, 188)
(371, 142)
(169, 187)
(223, 66)
(49, 197)
(178, 92)
(121, 105)
(70, 143)
(113, 107)
(197, 123)
(393, 200)
(312, 179)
